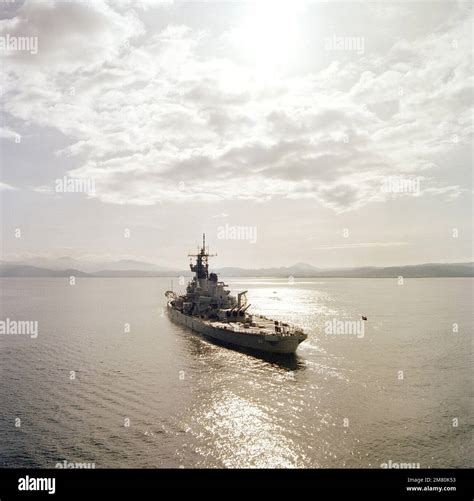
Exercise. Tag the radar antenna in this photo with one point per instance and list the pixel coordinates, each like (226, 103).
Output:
(201, 268)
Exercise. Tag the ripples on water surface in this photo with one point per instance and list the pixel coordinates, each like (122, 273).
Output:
(195, 404)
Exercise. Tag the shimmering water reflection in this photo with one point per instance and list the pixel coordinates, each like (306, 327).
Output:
(338, 403)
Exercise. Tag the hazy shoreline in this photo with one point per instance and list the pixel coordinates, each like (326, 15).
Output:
(300, 270)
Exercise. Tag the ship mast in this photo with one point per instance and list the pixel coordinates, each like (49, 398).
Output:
(201, 268)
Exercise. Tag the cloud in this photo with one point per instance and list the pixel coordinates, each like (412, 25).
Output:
(70, 34)
(8, 133)
(6, 187)
(157, 117)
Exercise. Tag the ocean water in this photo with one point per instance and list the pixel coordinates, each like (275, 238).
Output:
(148, 393)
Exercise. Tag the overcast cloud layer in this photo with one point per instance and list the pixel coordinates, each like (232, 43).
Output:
(187, 106)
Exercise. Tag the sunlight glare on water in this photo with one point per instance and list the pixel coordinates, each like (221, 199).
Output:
(337, 403)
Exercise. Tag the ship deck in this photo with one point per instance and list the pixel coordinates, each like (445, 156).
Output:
(263, 326)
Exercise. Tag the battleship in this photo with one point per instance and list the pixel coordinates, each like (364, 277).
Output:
(210, 309)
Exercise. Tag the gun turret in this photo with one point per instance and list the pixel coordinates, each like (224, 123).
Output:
(246, 308)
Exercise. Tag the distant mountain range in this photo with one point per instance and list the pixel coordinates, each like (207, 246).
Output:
(69, 263)
(64, 267)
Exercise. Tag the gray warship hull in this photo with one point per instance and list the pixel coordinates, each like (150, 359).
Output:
(232, 335)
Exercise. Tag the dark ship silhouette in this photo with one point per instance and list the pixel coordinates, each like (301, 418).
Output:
(209, 309)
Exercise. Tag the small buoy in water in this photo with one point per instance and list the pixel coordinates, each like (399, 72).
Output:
(364, 318)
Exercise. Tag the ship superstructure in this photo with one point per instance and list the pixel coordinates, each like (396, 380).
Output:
(209, 308)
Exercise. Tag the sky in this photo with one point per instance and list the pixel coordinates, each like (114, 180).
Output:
(332, 133)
